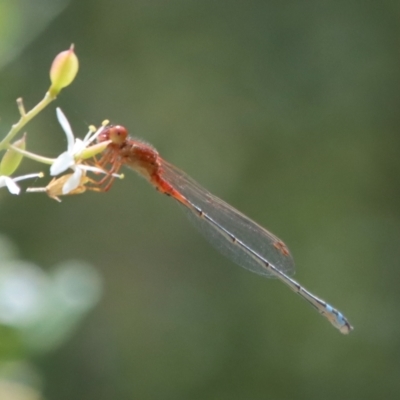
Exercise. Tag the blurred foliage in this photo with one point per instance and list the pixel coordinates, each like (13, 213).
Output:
(21, 21)
(287, 110)
(38, 312)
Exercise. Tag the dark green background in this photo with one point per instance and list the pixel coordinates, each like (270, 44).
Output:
(287, 110)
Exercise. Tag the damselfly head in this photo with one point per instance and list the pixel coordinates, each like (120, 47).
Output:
(116, 133)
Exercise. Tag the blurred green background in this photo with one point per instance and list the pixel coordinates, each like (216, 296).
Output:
(288, 111)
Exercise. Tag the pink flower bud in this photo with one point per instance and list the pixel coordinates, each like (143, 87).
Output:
(63, 70)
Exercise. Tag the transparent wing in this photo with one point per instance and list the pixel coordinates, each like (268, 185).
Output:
(262, 242)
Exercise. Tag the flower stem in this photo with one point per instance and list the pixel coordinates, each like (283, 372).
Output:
(32, 156)
(25, 118)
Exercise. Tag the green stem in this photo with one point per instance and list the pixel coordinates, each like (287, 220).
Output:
(25, 118)
(32, 156)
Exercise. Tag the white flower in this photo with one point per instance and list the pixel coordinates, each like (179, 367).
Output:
(12, 187)
(75, 154)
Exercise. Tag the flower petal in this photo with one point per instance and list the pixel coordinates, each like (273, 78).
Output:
(73, 182)
(79, 146)
(29, 176)
(2, 181)
(12, 187)
(62, 119)
(92, 168)
(62, 163)
(99, 170)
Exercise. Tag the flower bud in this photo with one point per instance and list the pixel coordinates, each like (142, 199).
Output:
(11, 159)
(93, 150)
(63, 70)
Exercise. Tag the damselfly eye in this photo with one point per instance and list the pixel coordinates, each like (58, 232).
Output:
(117, 134)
